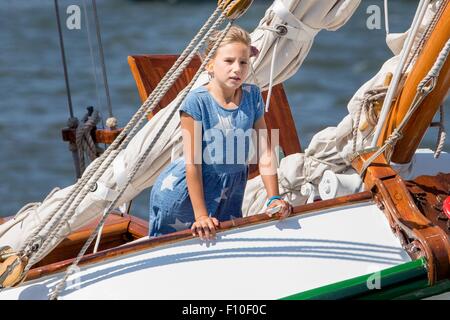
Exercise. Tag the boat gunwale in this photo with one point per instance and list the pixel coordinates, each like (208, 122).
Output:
(179, 236)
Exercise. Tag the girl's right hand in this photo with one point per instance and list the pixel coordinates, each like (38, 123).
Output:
(205, 227)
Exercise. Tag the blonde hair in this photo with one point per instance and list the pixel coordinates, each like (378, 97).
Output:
(235, 34)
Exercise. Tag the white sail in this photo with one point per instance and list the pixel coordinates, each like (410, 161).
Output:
(302, 19)
(331, 148)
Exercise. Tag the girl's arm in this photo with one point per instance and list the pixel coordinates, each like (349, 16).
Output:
(267, 164)
(203, 225)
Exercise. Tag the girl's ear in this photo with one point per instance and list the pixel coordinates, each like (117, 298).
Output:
(210, 66)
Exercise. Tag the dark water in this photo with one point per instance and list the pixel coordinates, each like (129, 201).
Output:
(33, 105)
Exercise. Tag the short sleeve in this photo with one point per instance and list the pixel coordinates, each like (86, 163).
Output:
(192, 106)
(259, 104)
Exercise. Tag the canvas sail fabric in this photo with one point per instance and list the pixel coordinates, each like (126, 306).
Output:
(313, 15)
(331, 148)
(303, 20)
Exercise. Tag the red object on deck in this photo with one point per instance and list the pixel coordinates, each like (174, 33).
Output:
(446, 207)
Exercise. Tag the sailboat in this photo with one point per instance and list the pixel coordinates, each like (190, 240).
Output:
(371, 210)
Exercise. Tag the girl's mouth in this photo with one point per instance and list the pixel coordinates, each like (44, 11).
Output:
(235, 78)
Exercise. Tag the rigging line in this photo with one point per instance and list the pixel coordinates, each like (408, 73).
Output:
(425, 35)
(130, 176)
(272, 68)
(91, 50)
(102, 58)
(136, 120)
(99, 168)
(63, 56)
(386, 16)
(425, 87)
(72, 122)
(420, 12)
(61, 283)
(125, 136)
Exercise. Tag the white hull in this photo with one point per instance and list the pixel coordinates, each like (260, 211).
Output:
(267, 261)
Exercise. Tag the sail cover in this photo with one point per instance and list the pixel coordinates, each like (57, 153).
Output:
(332, 148)
(301, 20)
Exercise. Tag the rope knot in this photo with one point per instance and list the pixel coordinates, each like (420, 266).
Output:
(72, 122)
(394, 137)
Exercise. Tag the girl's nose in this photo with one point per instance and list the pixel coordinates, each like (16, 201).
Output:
(237, 67)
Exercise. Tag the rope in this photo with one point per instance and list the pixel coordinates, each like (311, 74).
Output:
(426, 36)
(84, 141)
(63, 57)
(356, 126)
(91, 51)
(272, 67)
(141, 160)
(101, 164)
(108, 156)
(442, 134)
(280, 31)
(386, 16)
(431, 77)
(420, 12)
(327, 163)
(370, 97)
(67, 213)
(425, 87)
(72, 123)
(102, 59)
(28, 206)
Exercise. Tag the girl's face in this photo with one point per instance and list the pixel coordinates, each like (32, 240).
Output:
(230, 65)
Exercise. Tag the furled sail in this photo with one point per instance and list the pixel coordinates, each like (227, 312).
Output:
(332, 148)
(289, 28)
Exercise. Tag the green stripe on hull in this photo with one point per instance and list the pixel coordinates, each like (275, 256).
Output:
(413, 272)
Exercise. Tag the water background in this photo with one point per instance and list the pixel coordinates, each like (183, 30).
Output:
(33, 104)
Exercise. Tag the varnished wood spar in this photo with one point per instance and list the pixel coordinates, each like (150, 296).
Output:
(100, 136)
(186, 234)
(422, 118)
(149, 69)
(419, 236)
(429, 193)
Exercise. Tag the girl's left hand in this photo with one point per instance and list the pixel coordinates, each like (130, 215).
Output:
(286, 208)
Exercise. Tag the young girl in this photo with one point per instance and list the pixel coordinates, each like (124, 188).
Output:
(199, 194)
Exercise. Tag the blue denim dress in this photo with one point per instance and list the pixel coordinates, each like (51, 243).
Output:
(226, 143)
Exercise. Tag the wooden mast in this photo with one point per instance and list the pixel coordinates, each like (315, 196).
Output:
(421, 119)
(419, 236)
